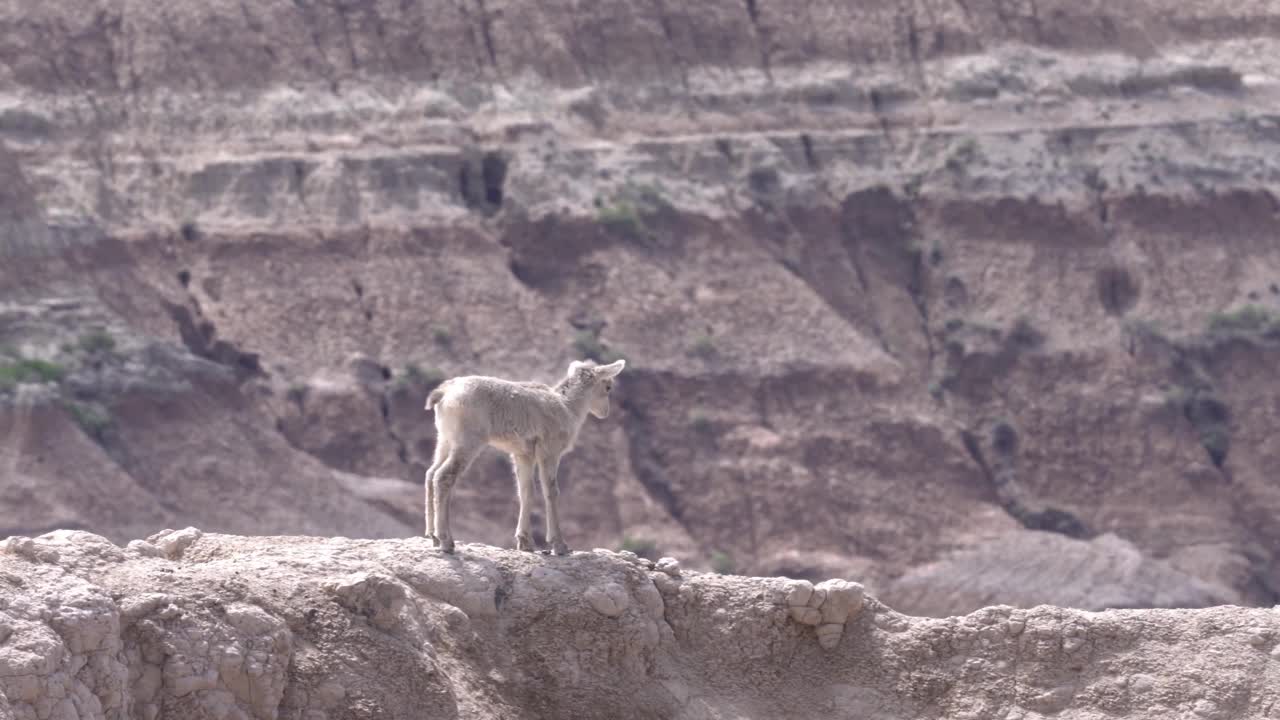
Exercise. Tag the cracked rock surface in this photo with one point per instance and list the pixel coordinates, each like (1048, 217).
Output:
(221, 626)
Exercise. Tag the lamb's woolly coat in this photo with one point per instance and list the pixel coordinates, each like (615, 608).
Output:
(513, 417)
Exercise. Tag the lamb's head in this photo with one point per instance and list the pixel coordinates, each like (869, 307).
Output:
(596, 381)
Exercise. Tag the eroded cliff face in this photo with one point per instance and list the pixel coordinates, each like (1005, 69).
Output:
(193, 625)
(902, 286)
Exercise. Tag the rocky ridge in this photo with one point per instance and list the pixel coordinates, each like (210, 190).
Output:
(194, 625)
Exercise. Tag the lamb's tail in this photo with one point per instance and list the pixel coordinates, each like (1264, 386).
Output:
(434, 398)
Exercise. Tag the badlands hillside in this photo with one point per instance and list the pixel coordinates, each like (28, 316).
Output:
(972, 301)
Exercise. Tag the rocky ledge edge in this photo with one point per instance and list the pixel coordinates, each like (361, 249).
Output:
(199, 625)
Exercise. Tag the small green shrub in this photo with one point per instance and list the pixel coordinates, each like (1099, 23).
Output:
(1004, 438)
(936, 390)
(625, 215)
(1094, 181)
(418, 375)
(44, 370)
(911, 188)
(949, 379)
(722, 563)
(97, 341)
(1216, 441)
(94, 421)
(621, 218)
(700, 423)
(30, 371)
(644, 547)
(1248, 320)
(589, 345)
(1144, 328)
(1175, 398)
(650, 197)
(764, 180)
(935, 255)
(297, 393)
(442, 336)
(703, 346)
(1025, 335)
(964, 155)
(1209, 415)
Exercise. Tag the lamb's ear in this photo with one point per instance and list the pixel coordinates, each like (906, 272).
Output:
(575, 366)
(612, 369)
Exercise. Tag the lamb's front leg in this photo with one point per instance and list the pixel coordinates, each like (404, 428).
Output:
(431, 508)
(550, 496)
(524, 489)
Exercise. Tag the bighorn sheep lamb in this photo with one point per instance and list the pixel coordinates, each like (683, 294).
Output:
(532, 421)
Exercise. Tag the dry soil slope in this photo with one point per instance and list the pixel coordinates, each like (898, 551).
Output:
(900, 283)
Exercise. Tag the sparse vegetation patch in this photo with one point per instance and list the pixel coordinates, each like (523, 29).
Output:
(93, 420)
(1145, 328)
(587, 343)
(1210, 417)
(722, 563)
(1250, 320)
(644, 547)
(297, 393)
(418, 375)
(621, 218)
(625, 214)
(1004, 438)
(29, 370)
(703, 346)
(1025, 335)
(98, 341)
(964, 155)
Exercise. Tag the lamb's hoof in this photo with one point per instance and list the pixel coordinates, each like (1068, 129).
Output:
(559, 548)
(525, 543)
(445, 546)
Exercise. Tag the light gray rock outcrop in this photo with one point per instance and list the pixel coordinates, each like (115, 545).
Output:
(201, 626)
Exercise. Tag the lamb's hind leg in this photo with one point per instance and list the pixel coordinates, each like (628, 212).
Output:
(460, 457)
(524, 490)
(550, 466)
(442, 452)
